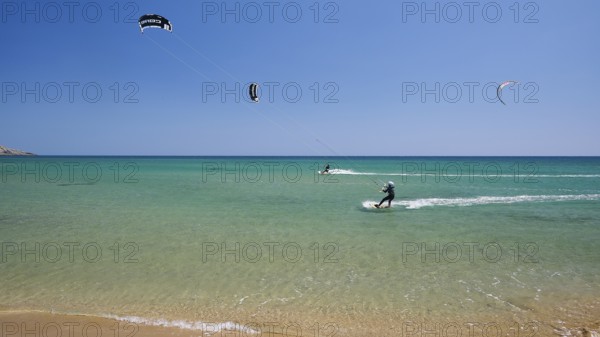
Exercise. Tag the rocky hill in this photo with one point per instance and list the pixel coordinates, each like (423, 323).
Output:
(4, 151)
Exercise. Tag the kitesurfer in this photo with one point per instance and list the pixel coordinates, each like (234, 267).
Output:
(389, 189)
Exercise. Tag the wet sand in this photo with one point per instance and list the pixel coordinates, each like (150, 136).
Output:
(580, 320)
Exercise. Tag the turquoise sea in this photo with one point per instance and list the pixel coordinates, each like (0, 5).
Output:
(184, 241)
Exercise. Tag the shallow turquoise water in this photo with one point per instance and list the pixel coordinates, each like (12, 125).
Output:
(185, 238)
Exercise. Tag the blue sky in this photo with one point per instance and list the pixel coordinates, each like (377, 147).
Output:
(362, 59)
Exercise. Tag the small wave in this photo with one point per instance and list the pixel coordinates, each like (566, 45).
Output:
(186, 325)
(444, 174)
(77, 184)
(350, 172)
(182, 324)
(485, 200)
(567, 175)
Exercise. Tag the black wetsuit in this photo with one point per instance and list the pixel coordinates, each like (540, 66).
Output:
(326, 169)
(391, 195)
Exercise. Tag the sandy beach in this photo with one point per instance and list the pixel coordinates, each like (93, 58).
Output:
(582, 320)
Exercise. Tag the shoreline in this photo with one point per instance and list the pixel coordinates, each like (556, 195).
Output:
(584, 322)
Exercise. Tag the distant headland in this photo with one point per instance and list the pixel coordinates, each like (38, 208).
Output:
(4, 151)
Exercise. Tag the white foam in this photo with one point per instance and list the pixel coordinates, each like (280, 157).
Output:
(350, 172)
(567, 176)
(484, 200)
(465, 175)
(186, 325)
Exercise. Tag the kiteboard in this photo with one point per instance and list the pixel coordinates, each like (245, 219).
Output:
(380, 207)
(323, 172)
(370, 205)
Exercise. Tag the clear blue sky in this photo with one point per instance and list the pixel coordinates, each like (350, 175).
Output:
(372, 56)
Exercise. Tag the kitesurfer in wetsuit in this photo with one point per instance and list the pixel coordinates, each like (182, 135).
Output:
(326, 170)
(389, 189)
